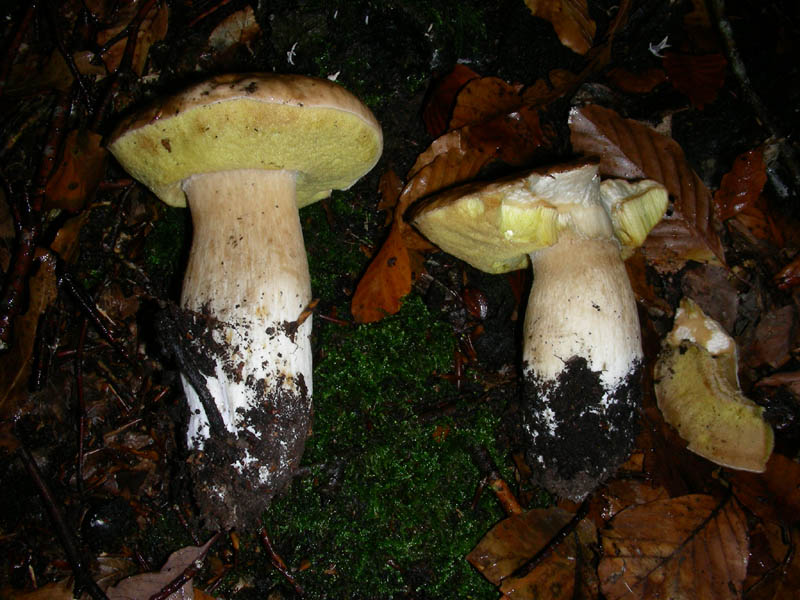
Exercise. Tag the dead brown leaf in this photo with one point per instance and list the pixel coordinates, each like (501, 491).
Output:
(774, 338)
(152, 29)
(238, 29)
(698, 77)
(782, 581)
(789, 276)
(79, 173)
(646, 294)
(773, 495)
(570, 19)
(517, 539)
(636, 83)
(619, 494)
(791, 381)
(439, 106)
(146, 585)
(742, 185)
(688, 547)
(631, 150)
(386, 281)
(483, 98)
(17, 362)
(59, 590)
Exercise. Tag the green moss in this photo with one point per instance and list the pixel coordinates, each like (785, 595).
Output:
(165, 244)
(387, 507)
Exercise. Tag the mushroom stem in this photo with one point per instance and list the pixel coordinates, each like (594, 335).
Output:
(246, 283)
(581, 362)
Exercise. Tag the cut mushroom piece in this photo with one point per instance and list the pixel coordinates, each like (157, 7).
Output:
(697, 390)
(245, 152)
(582, 346)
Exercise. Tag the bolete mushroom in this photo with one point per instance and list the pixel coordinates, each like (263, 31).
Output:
(581, 340)
(245, 152)
(698, 392)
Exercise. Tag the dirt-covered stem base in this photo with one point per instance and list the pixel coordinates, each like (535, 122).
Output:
(246, 284)
(581, 363)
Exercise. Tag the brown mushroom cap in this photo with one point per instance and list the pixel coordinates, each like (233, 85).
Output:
(313, 127)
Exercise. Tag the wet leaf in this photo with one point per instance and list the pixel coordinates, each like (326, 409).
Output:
(238, 29)
(687, 547)
(636, 83)
(59, 590)
(619, 494)
(570, 19)
(631, 150)
(742, 185)
(17, 362)
(439, 106)
(483, 98)
(790, 381)
(519, 538)
(774, 338)
(152, 29)
(79, 173)
(773, 495)
(789, 276)
(146, 585)
(386, 281)
(698, 77)
(783, 580)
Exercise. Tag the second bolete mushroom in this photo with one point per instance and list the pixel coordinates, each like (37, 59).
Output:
(581, 340)
(245, 152)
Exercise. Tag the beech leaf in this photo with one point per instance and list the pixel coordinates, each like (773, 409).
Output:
(152, 29)
(773, 495)
(631, 150)
(687, 547)
(79, 173)
(386, 281)
(698, 77)
(570, 19)
(517, 539)
(439, 106)
(742, 185)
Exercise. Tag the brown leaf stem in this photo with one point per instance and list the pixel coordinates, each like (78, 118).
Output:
(187, 574)
(278, 562)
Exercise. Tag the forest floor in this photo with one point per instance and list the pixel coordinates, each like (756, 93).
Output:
(414, 482)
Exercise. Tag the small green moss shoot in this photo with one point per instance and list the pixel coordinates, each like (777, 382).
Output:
(165, 244)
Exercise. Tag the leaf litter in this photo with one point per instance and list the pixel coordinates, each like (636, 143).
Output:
(669, 520)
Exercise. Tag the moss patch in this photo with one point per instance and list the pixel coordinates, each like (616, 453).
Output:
(385, 509)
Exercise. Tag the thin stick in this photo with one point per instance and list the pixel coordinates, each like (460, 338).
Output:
(65, 535)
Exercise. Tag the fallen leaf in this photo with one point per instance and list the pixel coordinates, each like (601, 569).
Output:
(389, 188)
(152, 29)
(517, 539)
(619, 494)
(790, 381)
(570, 19)
(775, 337)
(439, 107)
(773, 495)
(789, 276)
(631, 150)
(636, 83)
(646, 294)
(18, 361)
(79, 173)
(688, 547)
(783, 580)
(386, 281)
(59, 590)
(238, 29)
(483, 98)
(713, 289)
(698, 77)
(146, 585)
(742, 185)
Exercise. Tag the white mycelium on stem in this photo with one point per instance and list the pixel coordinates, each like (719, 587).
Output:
(581, 338)
(245, 152)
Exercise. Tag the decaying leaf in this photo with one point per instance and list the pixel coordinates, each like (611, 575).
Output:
(636, 83)
(146, 585)
(439, 106)
(152, 29)
(17, 362)
(774, 338)
(773, 495)
(742, 185)
(386, 281)
(519, 538)
(483, 98)
(631, 150)
(238, 29)
(698, 77)
(570, 19)
(789, 276)
(687, 547)
(59, 590)
(697, 389)
(79, 173)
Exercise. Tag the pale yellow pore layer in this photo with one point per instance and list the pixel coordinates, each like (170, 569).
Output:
(327, 147)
